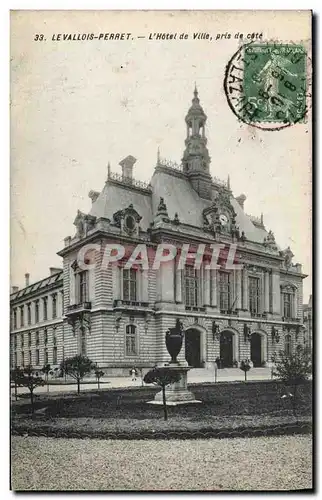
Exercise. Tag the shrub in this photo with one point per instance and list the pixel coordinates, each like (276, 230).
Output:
(293, 369)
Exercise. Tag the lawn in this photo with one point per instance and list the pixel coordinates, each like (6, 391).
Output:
(226, 407)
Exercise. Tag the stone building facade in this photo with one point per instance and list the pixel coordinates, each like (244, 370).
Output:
(118, 316)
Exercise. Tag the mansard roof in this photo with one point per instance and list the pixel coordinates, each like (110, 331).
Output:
(179, 196)
(52, 281)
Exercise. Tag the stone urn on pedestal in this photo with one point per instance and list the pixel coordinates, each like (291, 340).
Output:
(176, 393)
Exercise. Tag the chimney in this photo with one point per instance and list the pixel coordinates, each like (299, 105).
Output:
(241, 200)
(27, 276)
(14, 289)
(127, 166)
(54, 270)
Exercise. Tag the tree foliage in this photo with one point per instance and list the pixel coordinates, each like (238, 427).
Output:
(77, 367)
(293, 369)
(162, 377)
(245, 367)
(25, 377)
(98, 374)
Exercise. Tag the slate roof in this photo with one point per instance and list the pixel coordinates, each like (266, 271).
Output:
(179, 196)
(38, 286)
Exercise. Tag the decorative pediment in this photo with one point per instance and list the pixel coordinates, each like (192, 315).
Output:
(127, 219)
(220, 217)
(84, 223)
(288, 287)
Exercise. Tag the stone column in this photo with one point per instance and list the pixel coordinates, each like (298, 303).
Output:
(214, 287)
(206, 276)
(276, 293)
(245, 289)
(178, 284)
(266, 291)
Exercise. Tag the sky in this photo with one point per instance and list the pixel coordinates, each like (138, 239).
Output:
(75, 106)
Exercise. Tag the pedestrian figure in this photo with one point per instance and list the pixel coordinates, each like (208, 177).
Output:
(133, 373)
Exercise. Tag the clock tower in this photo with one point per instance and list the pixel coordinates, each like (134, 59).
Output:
(196, 158)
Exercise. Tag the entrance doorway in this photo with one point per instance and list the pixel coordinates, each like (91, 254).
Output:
(256, 350)
(192, 340)
(226, 349)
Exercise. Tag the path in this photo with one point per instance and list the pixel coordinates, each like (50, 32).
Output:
(265, 463)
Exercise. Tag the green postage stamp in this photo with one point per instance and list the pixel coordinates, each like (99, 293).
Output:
(266, 84)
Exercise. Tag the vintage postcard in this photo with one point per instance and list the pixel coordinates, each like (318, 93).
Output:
(161, 302)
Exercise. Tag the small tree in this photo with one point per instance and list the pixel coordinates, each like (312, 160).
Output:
(98, 374)
(16, 376)
(31, 381)
(46, 369)
(162, 377)
(245, 367)
(77, 367)
(293, 369)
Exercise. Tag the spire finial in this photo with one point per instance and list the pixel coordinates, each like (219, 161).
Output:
(195, 91)
(262, 219)
(228, 182)
(108, 169)
(158, 156)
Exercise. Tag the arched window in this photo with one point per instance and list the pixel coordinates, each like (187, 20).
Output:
(130, 340)
(288, 344)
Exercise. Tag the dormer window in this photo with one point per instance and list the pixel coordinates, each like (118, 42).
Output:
(129, 223)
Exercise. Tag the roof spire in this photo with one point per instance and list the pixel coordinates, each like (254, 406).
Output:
(108, 170)
(158, 156)
(228, 182)
(196, 90)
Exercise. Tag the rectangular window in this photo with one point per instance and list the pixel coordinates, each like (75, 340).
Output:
(30, 358)
(54, 305)
(37, 311)
(45, 336)
(29, 313)
(45, 308)
(82, 287)
(37, 338)
(287, 305)
(191, 282)
(55, 355)
(224, 291)
(22, 316)
(37, 357)
(131, 344)
(288, 345)
(129, 284)
(22, 338)
(54, 336)
(22, 358)
(62, 303)
(254, 295)
(15, 318)
(45, 356)
(15, 341)
(15, 358)
(29, 339)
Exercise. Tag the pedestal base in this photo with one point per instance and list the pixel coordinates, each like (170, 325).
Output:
(176, 393)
